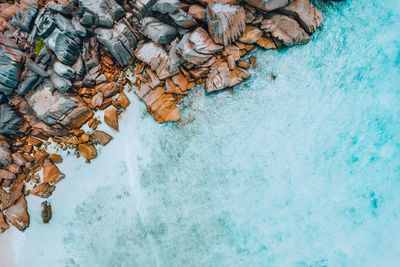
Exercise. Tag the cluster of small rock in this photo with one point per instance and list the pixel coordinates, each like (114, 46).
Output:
(51, 91)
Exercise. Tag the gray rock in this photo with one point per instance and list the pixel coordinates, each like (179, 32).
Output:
(5, 154)
(38, 69)
(183, 19)
(100, 12)
(48, 106)
(158, 31)
(44, 23)
(2, 98)
(120, 41)
(23, 18)
(268, 5)
(65, 25)
(167, 6)
(63, 70)
(43, 56)
(10, 120)
(60, 83)
(65, 49)
(79, 29)
(31, 81)
(79, 69)
(141, 8)
(60, 8)
(11, 59)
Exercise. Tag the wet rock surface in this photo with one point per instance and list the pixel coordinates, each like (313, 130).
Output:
(62, 61)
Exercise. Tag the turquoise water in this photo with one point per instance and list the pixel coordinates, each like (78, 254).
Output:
(303, 170)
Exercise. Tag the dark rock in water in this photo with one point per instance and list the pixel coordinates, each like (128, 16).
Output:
(183, 19)
(45, 24)
(167, 6)
(60, 8)
(60, 83)
(23, 18)
(48, 106)
(11, 59)
(226, 23)
(65, 49)
(158, 31)
(100, 12)
(120, 41)
(268, 5)
(10, 120)
(31, 81)
(46, 212)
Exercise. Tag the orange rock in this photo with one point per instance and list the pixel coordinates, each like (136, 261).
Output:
(111, 118)
(181, 81)
(101, 137)
(244, 64)
(123, 100)
(84, 138)
(3, 224)
(51, 174)
(33, 141)
(17, 214)
(43, 190)
(266, 43)
(56, 158)
(108, 89)
(251, 35)
(87, 151)
(97, 100)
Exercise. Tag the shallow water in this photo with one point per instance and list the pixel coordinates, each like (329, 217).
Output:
(303, 170)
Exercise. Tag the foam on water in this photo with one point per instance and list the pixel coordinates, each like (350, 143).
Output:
(303, 170)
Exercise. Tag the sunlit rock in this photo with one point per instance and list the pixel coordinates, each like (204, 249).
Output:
(268, 5)
(17, 214)
(24, 17)
(158, 31)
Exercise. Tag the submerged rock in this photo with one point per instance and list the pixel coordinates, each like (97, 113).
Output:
(17, 214)
(46, 212)
(226, 23)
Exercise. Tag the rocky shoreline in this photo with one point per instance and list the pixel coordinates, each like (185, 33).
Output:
(62, 61)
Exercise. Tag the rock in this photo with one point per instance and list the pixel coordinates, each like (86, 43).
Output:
(267, 43)
(14, 168)
(268, 5)
(4, 174)
(17, 214)
(285, 29)
(159, 104)
(60, 83)
(303, 12)
(158, 31)
(101, 137)
(79, 29)
(10, 120)
(108, 89)
(51, 174)
(197, 47)
(120, 41)
(31, 81)
(167, 6)
(183, 19)
(43, 190)
(220, 77)
(19, 159)
(87, 151)
(65, 26)
(24, 17)
(100, 12)
(97, 100)
(5, 154)
(123, 100)
(55, 158)
(197, 12)
(151, 53)
(79, 69)
(37, 69)
(65, 48)
(3, 224)
(44, 23)
(111, 118)
(226, 23)
(251, 35)
(63, 70)
(50, 107)
(11, 65)
(60, 8)
(46, 212)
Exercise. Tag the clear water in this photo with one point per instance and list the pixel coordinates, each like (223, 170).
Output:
(303, 170)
